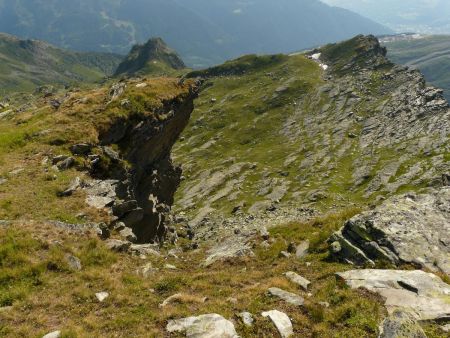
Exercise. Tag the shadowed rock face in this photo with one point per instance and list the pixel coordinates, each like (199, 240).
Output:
(410, 228)
(142, 181)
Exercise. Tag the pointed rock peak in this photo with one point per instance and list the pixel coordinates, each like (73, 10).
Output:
(363, 51)
(153, 57)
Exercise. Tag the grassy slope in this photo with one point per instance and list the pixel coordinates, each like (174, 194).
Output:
(429, 54)
(29, 139)
(46, 295)
(24, 65)
(272, 114)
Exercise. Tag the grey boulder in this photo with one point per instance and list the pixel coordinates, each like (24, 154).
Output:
(281, 321)
(204, 326)
(410, 228)
(288, 297)
(422, 294)
(401, 324)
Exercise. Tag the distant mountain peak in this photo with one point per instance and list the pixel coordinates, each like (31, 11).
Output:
(154, 56)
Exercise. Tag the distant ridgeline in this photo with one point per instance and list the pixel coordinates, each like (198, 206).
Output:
(428, 53)
(204, 32)
(26, 65)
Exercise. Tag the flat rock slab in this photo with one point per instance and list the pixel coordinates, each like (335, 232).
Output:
(288, 297)
(297, 279)
(204, 326)
(422, 294)
(409, 228)
(281, 321)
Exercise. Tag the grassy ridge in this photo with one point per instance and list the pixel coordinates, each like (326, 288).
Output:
(26, 64)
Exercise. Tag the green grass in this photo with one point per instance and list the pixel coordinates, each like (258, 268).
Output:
(34, 270)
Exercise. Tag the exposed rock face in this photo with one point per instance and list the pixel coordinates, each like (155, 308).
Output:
(423, 295)
(410, 228)
(139, 184)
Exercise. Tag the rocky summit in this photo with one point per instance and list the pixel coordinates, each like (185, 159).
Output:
(299, 195)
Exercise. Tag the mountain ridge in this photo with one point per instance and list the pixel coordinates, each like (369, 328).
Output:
(152, 58)
(27, 64)
(203, 32)
(291, 167)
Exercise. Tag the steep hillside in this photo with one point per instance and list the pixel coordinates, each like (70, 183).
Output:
(203, 32)
(151, 58)
(286, 164)
(27, 64)
(277, 135)
(429, 54)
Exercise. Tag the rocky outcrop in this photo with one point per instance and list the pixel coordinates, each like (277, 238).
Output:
(406, 229)
(423, 295)
(141, 58)
(135, 178)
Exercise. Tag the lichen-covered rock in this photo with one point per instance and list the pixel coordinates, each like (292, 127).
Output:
(422, 294)
(401, 325)
(410, 228)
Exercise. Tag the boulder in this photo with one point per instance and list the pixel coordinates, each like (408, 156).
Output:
(445, 328)
(401, 324)
(411, 228)
(145, 249)
(127, 234)
(65, 164)
(73, 262)
(101, 296)
(288, 297)
(297, 279)
(54, 334)
(75, 184)
(302, 249)
(246, 318)
(422, 294)
(230, 248)
(204, 326)
(281, 321)
(118, 246)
